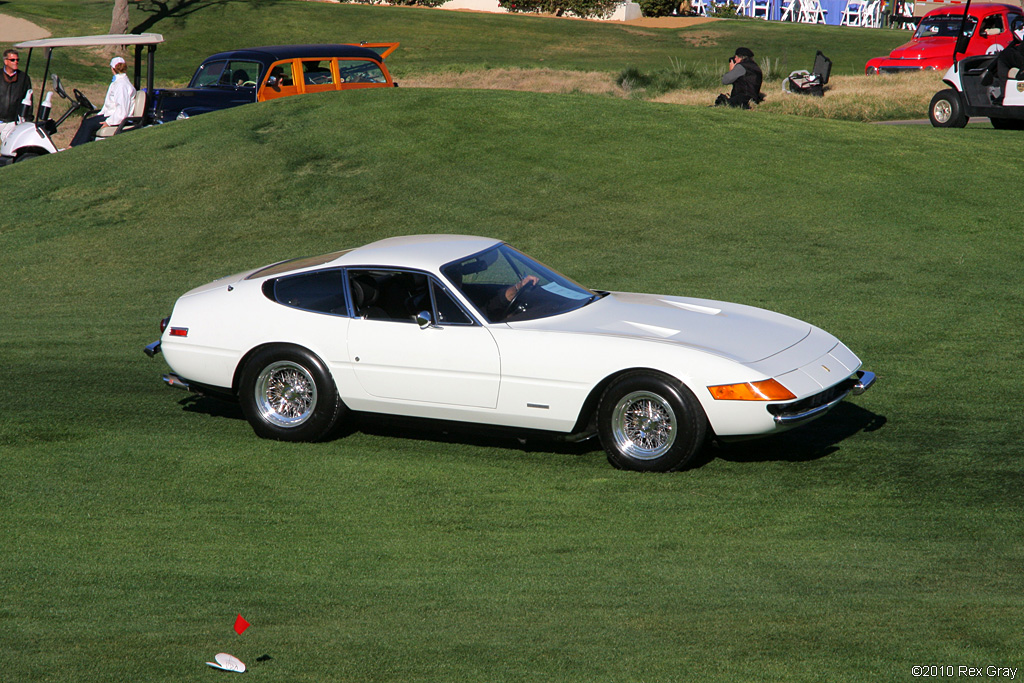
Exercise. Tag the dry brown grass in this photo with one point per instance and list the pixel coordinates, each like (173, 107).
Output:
(532, 80)
(853, 98)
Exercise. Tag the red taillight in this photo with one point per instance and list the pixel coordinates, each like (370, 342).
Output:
(163, 324)
(179, 331)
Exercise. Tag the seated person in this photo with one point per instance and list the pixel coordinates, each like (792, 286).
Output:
(745, 77)
(498, 307)
(1010, 61)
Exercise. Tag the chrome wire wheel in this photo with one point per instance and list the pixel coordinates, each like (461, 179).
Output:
(643, 425)
(285, 394)
(942, 111)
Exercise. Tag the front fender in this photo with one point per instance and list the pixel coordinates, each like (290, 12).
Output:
(27, 137)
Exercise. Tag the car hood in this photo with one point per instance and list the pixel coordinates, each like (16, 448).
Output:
(741, 333)
(925, 48)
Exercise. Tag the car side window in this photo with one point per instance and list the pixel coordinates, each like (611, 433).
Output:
(448, 311)
(395, 295)
(280, 82)
(992, 25)
(241, 74)
(321, 291)
(317, 72)
(360, 71)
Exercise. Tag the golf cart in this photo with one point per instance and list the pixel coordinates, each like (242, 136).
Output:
(975, 89)
(28, 139)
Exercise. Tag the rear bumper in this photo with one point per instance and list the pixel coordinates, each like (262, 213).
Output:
(794, 414)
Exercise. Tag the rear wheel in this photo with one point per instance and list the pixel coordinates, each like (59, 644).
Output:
(947, 110)
(650, 423)
(287, 394)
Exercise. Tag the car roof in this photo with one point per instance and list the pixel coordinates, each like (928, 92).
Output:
(273, 53)
(422, 252)
(980, 9)
(89, 41)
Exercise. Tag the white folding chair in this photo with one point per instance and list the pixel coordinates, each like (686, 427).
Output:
(701, 7)
(811, 12)
(852, 13)
(871, 14)
(761, 9)
(790, 10)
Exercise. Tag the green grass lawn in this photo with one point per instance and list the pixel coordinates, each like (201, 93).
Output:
(138, 522)
(435, 40)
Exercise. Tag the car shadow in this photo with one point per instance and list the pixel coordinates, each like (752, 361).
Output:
(814, 441)
(817, 440)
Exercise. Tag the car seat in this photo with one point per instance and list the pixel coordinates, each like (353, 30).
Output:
(810, 82)
(130, 122)
(364, 297)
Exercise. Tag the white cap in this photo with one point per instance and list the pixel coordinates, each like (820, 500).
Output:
(115, 61)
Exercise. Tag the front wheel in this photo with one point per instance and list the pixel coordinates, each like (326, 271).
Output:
(287, 394)
(650, 423)
(947, 110)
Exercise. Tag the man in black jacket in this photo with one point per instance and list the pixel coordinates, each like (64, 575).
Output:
(744, 75)
(13, 86)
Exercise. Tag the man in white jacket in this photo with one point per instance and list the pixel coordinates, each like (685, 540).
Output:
(116, 106)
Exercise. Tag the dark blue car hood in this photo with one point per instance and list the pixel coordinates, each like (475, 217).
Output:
(171, 102)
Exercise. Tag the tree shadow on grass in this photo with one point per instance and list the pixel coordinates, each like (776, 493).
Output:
(175, 9)
(813, 441)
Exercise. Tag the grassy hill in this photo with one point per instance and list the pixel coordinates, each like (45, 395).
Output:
(138, 522)
(434, 40)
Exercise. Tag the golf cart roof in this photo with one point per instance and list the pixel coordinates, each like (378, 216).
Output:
(86, 41)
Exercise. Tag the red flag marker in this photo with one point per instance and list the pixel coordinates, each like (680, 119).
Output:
(240, 625)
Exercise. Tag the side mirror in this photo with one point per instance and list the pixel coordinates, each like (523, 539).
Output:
(424, 320)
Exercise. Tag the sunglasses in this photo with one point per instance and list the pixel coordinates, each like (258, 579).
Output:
(11, 59)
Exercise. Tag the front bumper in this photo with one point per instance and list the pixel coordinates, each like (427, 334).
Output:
(794, 414)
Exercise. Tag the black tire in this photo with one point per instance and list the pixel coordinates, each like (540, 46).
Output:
(648, 422)
(25, 156)
(1007, 124)
(286, 393)
(947, 110)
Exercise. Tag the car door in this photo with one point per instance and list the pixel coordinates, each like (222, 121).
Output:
(453, 360)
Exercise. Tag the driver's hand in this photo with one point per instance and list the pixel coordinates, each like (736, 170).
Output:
(511, 292)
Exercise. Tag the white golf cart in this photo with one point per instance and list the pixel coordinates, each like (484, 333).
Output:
(976, 90)
(28, 139)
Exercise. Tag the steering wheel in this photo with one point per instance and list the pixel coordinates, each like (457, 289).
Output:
(512, 304)
(82, 99)
(249, 84)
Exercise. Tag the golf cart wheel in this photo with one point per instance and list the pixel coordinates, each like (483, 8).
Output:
(947, 110)
(650, 422)
(1007, 124)
(25, 156)
(286, 393)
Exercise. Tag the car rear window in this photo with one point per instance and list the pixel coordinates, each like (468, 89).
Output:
(322, 291)
(360, 71)
(297, 264)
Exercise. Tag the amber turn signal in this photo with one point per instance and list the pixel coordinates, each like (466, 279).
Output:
(765, 390)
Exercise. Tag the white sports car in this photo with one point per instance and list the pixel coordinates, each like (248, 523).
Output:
(469, 329)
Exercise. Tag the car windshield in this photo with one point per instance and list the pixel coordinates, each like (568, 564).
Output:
(944, 27)
(235, 72)
(505, 285)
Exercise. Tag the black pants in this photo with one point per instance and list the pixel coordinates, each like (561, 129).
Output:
(87, 131)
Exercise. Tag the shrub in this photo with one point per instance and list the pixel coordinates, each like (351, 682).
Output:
(657, 8)
(581, 8)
